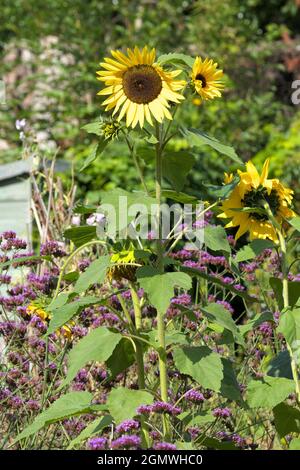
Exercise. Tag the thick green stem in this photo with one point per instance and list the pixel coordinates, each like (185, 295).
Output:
(139, 347)
(286, 304)
(139, 354)
(160, 263)
(285, 291)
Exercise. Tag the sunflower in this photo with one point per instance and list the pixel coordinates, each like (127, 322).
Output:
(124, 266)
(35, 308)
(138, 87)
(252, 192)
(206, 78)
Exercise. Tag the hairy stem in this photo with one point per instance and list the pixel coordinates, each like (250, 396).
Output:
(160, 263)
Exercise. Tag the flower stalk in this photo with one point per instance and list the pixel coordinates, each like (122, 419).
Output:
(285, 290)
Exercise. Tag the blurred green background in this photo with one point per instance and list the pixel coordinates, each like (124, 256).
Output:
(50, 51)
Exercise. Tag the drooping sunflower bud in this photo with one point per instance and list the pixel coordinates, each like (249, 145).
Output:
(123, 266)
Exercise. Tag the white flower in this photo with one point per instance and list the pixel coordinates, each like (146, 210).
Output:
(76, 220)
(96, 218)
(20, 124)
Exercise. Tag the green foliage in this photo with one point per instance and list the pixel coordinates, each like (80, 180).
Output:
(197, 138)
(70, 404)
(287, 419)
(268, 392)
(123, 403)
(61, 314)
(176, 166)
(216, 238)
(151, 281)
(218, 314)
(98, 345)
(289, 325)
(80, 235)
(94, 274)
(208, 369)
(255, 248)
(92, 429)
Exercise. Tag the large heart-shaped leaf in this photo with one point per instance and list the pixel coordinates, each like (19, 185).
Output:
(152, 283)
(68, 405)
(98, 345)
(123, 402)
(268, 392)
(208, 369)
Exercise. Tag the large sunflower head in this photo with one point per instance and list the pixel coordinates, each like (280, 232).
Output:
(139, 88)
(252, 192)
(206, 78)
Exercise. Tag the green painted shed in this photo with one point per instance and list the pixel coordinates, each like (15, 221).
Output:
(15, 198)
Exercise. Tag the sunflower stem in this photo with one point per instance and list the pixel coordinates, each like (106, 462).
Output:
(160, 263)
(285, 291)
(139, 354)
(286, 304)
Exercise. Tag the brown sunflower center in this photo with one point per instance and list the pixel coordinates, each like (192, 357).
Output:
(256, 199)
(142, 84)
(202, 79)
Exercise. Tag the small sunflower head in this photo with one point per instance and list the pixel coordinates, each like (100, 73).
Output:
(123, 266)
(206, 79)
(36, 308)
(110, 129)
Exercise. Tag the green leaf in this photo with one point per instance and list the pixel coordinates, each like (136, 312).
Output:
(93, 428)
(96, 151)
(121, 200)
(176, 58)
(94, 274)
(93, 128)
(189, 418)
(122, 357)
(268, 392)
(215, 238)
(176, 166)
(23, 259)
(295, 222)
(81, 235)
(197, 138)
(214, 280)
(287, 419)
(295, 444)
(179, 197)
(173, 337)
(221, 192)
(60, 300)
(152, 283)
(256, 322)
(280, 366)
(218, 314)
(98, 345)
(123, 402)
(71, 404)
(151, 139)
(208, 369)
(61, 315)
(255, 248)
(212, 443)
(84, 209)
(293, 288)
(289, 326)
